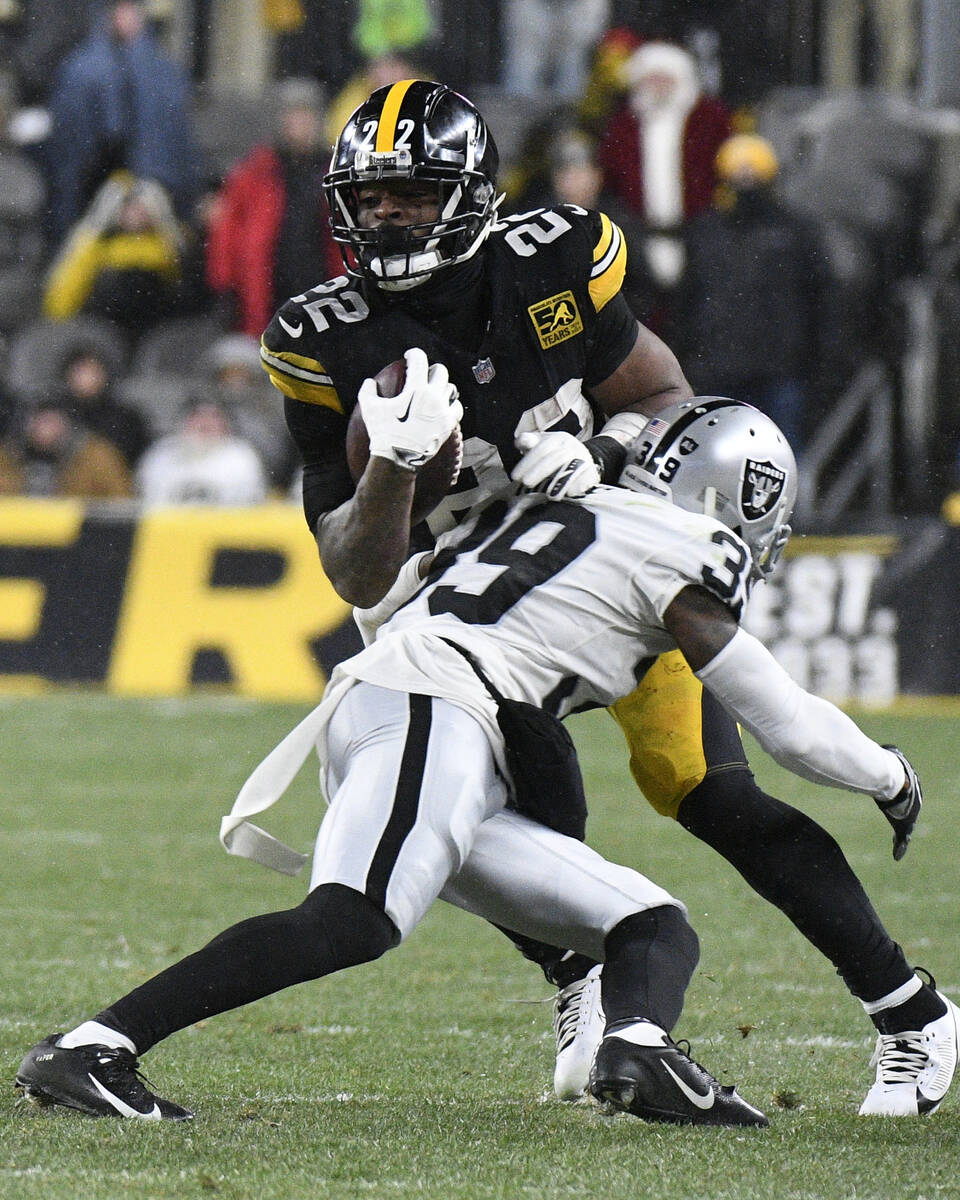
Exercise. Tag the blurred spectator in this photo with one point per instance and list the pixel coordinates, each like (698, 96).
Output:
(51, 455)
(750, 299)
(658, 151)
(119, 101)
(22, 196)
(37, 35)
(202, 462)
(232, 374)
(269, 237)
(391, 26)
(606, 83)
(743, 50)
(526, 179)
(377, 72)
(9, 407)
(547, 45)
(576, 178)
(894, 25)
(122, 260)
(313, 38)
(88, 391)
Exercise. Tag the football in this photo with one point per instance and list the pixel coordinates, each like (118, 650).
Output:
(435, 478)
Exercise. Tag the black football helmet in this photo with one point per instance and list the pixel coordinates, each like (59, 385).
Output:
(423, 131)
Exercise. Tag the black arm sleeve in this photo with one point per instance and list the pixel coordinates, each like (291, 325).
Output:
(614, 336)
(320, 435)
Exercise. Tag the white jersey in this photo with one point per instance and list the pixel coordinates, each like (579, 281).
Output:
(560, 603)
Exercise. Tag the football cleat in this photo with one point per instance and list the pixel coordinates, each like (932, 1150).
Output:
(99, 1080)
(639, 1069)
(578, 1023)
(914, 1069)
(902, 811)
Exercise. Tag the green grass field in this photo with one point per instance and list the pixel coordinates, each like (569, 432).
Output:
(428, 1074)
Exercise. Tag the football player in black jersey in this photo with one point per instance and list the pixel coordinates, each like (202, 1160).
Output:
(527, 316)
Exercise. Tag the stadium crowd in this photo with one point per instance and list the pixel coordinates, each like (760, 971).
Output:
(774, 217)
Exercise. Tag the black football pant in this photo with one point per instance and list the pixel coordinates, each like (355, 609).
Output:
(786, 858)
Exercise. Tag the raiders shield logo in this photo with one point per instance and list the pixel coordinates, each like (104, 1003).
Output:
(762, 488)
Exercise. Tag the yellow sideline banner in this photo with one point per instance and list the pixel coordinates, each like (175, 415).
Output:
(161, 602)
(167, 601)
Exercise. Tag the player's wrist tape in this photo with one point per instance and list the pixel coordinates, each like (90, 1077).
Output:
(624, 427)
(609, 456)
(609, 448)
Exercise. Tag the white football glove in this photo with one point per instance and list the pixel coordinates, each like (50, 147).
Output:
(556, 464)
(410, 428)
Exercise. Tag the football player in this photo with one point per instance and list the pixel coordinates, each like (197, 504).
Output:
(527, 316)
(415, 766)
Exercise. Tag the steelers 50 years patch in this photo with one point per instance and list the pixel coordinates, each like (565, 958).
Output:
(556, 319)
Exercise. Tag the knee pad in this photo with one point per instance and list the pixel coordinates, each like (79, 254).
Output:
(351, 927)
(664, 926)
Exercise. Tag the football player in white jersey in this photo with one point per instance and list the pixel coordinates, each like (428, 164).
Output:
(418, 775)
(555, 375)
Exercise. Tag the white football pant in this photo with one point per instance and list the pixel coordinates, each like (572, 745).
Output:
(417, 811)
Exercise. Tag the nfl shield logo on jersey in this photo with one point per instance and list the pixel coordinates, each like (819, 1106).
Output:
(762, 487)
(483, 370)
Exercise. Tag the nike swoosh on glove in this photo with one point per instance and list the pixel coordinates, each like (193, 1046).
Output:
(556, 464)
(410, 428)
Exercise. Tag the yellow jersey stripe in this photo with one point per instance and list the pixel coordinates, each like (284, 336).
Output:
(300, 378)
(610, 265)
(387, 128)
(606, 237)
(297, 365)
(307, 393)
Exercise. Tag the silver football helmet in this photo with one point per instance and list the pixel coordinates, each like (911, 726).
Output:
(723, 458)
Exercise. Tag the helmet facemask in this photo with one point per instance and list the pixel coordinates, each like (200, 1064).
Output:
(447, 147)
(398, 257)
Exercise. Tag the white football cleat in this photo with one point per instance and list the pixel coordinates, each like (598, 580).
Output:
(914, 1069)
(578, 1023)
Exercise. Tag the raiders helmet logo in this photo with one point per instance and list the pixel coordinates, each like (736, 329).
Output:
(762, 488)
(688, 445)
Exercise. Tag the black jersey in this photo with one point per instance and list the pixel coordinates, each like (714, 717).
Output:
(553, 322)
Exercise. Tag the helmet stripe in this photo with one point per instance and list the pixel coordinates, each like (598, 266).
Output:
(387, 126)
(680, 426)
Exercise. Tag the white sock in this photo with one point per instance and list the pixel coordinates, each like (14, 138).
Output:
(892, 999)
(92, 1033)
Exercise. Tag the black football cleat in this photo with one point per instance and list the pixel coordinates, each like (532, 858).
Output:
(902, 811)
(640, 1070)
(98, 1080)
